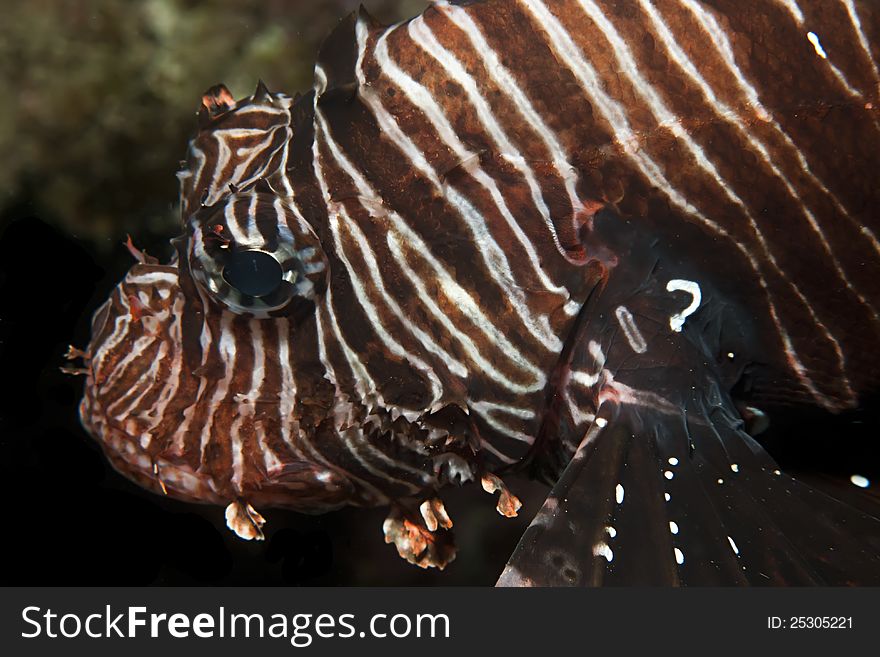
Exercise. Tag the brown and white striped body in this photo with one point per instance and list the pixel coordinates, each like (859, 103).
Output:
(487, 220)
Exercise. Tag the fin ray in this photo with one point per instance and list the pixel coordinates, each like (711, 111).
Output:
(660, 499)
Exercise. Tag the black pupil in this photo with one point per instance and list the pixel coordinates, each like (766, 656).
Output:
(253, 273)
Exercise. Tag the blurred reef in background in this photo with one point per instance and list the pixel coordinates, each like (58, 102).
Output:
(100, 97)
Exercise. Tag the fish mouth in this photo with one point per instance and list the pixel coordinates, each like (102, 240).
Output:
(295, 484)
(129, 457)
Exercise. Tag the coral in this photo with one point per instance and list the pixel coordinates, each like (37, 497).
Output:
(100, 97)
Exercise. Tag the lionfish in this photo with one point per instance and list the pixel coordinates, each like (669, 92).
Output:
(598, 240)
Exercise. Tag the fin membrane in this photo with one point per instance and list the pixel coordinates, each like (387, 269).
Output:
(690, 499)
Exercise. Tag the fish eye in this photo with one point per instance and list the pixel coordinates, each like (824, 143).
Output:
(255, 254)
(253, 273)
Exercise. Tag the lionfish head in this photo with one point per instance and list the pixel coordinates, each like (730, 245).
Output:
(204, 378)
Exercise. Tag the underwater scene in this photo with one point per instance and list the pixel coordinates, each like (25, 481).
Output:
(503, 292)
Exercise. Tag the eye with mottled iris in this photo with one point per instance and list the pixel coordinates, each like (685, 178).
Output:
(255, 254)
(253, 273)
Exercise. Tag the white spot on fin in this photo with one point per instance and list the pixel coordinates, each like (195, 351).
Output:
(630, 330)
(676, 322)
(602, 550)
(733, 545)
(860, 481)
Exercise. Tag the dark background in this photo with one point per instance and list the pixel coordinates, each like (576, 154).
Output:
(99, 101)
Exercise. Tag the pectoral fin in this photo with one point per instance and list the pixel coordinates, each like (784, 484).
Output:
(690, 499)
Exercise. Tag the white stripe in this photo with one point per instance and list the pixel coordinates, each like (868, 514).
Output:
(236, 449)
(255, 108)
(238, 236)
(630, 330)
(453, 364)
(423, 36)
(569, 54)
(621, 393)
(226, 353)
(175, 376)
(153, 278)
(733, 545)
(287, 396)
(195, 176)
(255, 238)
(492, 254)
(798, 15)
(793, 9)
(237, 133)
(472, 350)
(489, 447)
(223, 155)
(729, 115)
(863, 40)
(585, 379)
(466, 303)
(205, 341)
(718, 38)
(486, 409)
(147, 383)
(813, 38)
(375, 321)
(364, 383)
(508, 86)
